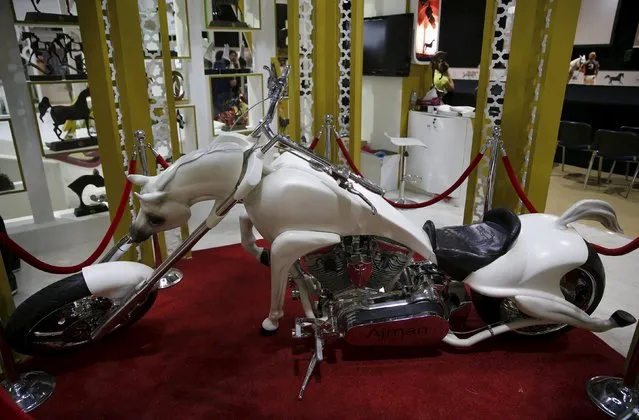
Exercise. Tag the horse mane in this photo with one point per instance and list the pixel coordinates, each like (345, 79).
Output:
(166, 176)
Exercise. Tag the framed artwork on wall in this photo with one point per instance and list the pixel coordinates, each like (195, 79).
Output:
(427, 21)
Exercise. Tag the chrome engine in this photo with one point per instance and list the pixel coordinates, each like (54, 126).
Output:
(369, 291)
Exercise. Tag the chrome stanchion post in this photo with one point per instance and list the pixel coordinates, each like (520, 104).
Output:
(619, 397)
(28, 390)
(173, 276)
(495, 146)
(328, 135)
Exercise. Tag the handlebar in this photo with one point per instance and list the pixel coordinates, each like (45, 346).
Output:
(276, 87)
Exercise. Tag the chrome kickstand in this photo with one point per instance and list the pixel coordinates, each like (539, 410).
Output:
(309, 372)
(318, 356)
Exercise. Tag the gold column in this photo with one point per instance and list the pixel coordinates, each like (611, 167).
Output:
(561, 35)
(357, 63)
(528, 36)
(293, 12)
(132, 82)
(103, 102)
(325, 67)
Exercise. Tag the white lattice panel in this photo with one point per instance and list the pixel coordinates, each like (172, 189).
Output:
(158, 108)
(306, 68)
(344, 64)
(494, 93)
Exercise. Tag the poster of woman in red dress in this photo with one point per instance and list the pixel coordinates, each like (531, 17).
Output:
(427, 29)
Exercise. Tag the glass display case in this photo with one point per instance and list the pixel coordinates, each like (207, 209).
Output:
(235, 101)
(232, 15)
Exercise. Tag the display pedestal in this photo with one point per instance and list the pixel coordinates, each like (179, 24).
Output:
(87, 210)
(62, 145)
(49, 17)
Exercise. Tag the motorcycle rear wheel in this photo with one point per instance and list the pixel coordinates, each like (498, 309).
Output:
(583, 286)
(61, 317)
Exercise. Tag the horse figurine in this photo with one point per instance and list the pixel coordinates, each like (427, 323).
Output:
(34, 47)
(60, 114)
(66, 43)
(575, 65)
(616, 78)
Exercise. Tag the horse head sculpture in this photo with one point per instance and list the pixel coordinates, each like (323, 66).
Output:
(205, 174)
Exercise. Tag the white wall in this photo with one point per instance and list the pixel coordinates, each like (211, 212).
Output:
(596, 22)
(381, 96)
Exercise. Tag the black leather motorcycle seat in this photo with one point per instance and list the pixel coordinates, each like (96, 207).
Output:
(460, 250)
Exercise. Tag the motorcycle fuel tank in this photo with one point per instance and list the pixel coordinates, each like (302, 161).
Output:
(294, 196)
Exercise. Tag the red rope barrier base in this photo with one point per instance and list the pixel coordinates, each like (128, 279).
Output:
(629, 247)
(24, 255)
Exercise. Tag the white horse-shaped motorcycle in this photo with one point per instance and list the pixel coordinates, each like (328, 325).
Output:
(350, 253)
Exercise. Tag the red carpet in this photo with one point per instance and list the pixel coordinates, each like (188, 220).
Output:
(198, 355)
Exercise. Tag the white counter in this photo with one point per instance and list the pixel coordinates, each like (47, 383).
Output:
(448, 143)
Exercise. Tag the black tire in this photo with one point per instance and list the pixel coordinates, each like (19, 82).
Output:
(19, 330)
(489, 309)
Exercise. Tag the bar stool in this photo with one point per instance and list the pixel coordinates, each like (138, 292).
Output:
(28, 390)
(403, 143)
(619, 397)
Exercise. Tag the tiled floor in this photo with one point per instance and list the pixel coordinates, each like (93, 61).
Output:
(622, 288)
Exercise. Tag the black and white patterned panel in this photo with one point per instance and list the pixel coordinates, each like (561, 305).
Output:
(495, 92)
(306, 68)
(344, 64)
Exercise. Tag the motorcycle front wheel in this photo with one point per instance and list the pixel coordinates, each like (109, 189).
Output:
(61, 317)
(583, 287)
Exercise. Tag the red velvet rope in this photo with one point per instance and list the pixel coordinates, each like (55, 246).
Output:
(55, 269)
(161, 161)
(629, 247)
(314, 143)
(347, 156)
(427, 203)
(446, 193)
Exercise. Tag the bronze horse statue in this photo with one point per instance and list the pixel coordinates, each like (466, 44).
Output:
(61, 114)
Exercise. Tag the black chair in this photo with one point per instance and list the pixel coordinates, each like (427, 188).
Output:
(575, 136)
(633, 130)
(616, 145)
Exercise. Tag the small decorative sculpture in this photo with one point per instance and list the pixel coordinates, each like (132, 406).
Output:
(60, 114)
(68, 45)
(178, 85)
(42, 52)
(236, 116)
(80, 185)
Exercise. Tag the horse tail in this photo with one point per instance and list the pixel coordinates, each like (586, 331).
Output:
(597, 210)
(43, 106)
